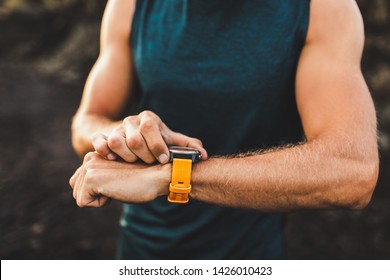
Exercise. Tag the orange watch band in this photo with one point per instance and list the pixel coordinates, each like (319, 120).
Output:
(180, 185)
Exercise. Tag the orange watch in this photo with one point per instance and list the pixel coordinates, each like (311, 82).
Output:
(182, 159)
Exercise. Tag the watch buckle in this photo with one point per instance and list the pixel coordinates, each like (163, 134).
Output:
(178, 193)
(179, 188)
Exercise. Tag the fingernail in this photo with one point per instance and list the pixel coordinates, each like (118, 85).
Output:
(163, 158)
(111, 156)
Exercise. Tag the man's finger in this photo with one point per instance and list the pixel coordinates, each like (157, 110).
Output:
(79, 184)
(100, 144)
(136, 142)
(117, 143)
(150, 130)
(178, 139)
(73, 179)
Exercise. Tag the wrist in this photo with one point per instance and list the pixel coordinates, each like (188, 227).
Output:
(209, 179)
(164, 172)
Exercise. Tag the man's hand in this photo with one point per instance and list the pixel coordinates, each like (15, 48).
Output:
(98, 181)
(143, 137)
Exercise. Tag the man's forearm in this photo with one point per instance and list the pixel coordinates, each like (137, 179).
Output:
(311, 175)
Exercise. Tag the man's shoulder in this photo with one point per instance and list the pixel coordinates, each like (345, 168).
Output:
(116, 22)
(332, 19)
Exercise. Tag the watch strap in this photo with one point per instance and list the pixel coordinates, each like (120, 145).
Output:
(180, 185)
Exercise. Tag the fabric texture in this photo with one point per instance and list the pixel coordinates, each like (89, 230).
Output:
(222, 71)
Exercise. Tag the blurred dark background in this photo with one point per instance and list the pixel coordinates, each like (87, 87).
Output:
(47, 48)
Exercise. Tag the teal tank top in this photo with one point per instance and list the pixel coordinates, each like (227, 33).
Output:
(222, 71)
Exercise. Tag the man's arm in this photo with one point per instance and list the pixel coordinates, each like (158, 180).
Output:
(338, 165)
(95, 126)
(109, 83)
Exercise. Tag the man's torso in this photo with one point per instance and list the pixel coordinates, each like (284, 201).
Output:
(224, 72)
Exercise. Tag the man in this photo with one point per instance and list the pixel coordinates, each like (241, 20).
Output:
(274, 91)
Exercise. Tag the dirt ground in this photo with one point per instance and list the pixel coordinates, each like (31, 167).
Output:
(40, 90)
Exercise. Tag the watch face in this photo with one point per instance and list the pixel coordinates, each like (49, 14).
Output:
(184, 153)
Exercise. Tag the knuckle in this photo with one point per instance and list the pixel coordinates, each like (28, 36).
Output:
(114, 141)
(80, 203)
(91, 164)
(131, 122)
(88, 157)
(134, 142)
(88, 177)
(95, 137)
(118, 129)
(130, 119)
(71, 182)
(127, 119)
(146, 113)
(100, 146)
(100, 149)
(147, 126)
(89, 181)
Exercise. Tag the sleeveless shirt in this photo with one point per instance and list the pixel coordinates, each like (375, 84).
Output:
(222, 71)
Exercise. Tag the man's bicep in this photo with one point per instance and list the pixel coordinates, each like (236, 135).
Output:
(330, 96)
(331, 93)
(116, 22)
(109, 82)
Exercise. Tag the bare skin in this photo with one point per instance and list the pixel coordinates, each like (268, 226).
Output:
(336, 167)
